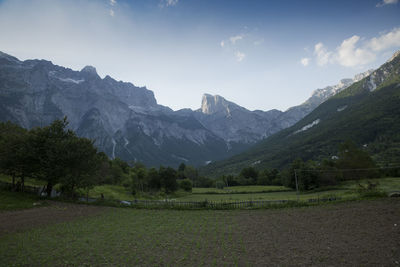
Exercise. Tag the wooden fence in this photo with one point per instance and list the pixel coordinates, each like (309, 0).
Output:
(139, 203)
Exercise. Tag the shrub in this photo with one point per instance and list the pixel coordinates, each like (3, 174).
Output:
(186, 185)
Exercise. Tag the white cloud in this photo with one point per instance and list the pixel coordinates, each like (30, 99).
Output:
(350, 56)
(323, 56)
(112, 13)
(113, 2)
(385, 41)
(222, 44)
(356, 51)
(167, 3)
(305, 61)
(236, 38)
(387, 2)
(239, 56)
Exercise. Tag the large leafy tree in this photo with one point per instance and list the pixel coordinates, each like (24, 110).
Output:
(50, 146)
(355, 162)
(16, 157)
(168, 179)
(82, 164)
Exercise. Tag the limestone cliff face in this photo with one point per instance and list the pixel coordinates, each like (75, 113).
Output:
(125, 120)
(234, 123)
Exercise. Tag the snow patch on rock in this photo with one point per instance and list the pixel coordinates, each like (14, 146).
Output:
(70, 80)
(308, 126)
(341, 108)
(371, 85)
(180, 158)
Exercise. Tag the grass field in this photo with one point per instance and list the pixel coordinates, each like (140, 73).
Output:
(16, 201)
(126, 237)
(241, 189)
(266, 196)
(353, 234)
(240, 193)
(345, 190)
(28, 182)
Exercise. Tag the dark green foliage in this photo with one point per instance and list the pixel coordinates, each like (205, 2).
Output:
(206, 182)
(248, 176)
(219, 184)
(269, 177)
(53, 154)
(186, 185)
(182, 167)
(16, 157)
(305, 173)
(370, 190)
(154, 179)
(168, 179)
(355, 161)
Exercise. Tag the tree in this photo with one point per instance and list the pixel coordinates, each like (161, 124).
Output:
(186, 185)
(140, 177)
(351, 157)
(16, 158)
(49, 145)
(306, 172)
(154, 179)
(82, 165)
(248, 176)
(168, 179)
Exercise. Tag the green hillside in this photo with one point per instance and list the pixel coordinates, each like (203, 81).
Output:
(371, 119)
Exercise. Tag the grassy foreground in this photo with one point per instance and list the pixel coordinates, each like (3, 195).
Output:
(132, 237)
(126, 237)
(18, 201)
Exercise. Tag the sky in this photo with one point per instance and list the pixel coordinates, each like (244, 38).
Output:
(259, 54)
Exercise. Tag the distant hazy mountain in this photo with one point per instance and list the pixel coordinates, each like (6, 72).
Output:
(367, 112)
(125, 121)
(236, 124)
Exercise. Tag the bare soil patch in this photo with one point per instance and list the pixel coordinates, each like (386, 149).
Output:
(53, 212)
(365, 233)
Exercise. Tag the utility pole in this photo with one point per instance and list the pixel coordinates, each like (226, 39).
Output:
(297, 184)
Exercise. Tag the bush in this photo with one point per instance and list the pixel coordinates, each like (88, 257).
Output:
(186, 185)
(219, 185)
(370, 191)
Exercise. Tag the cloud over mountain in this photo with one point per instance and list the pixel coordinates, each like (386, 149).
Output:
(356, 51)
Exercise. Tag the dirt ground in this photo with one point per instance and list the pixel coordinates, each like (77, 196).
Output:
(53, 212)
(365, 233)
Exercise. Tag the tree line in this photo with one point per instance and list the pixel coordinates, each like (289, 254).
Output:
(351, 163)
(56, 155)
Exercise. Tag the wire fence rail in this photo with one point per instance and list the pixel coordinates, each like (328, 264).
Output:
(140, 203)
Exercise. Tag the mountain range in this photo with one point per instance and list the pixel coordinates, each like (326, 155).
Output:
(367, 112)
(127, 122)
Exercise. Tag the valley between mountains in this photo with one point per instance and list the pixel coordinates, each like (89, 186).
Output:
(126, 121)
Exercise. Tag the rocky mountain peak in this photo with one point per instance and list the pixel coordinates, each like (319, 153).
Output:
(396, 54)
(89, 70)
(360, 76)
(8, 57)
(213, 104)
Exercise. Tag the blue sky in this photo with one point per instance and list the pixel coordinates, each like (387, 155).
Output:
(258, 54)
